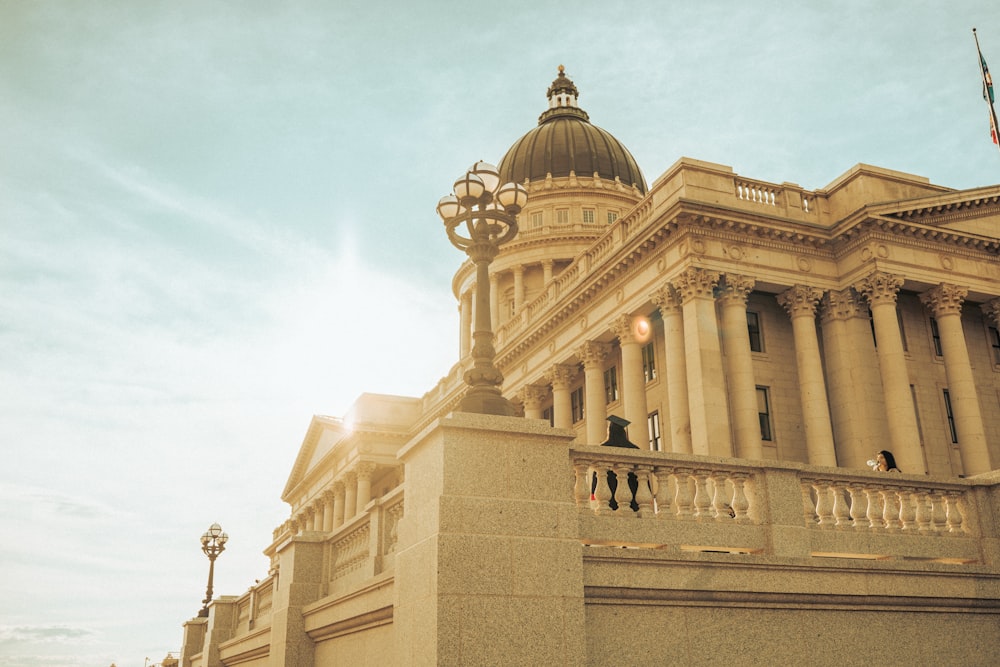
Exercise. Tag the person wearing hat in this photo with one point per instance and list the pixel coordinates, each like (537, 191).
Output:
(618, 437)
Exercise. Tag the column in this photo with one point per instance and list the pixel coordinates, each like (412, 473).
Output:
(633, 380)
(739, 367)
(531, 396)
(518, 288)
(707, 401)
(546, 271)
(856, 405)
(593, 354)
(494, 299)
(339, 496)
(465, 325)
(350, 495)
(317, 518)
(561, 376)
(364, 471)
(675, 367)
(328, 508)
(880, 290)
(945, 302)
(800, 302)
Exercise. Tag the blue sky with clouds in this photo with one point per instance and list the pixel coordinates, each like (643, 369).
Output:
(217, 219)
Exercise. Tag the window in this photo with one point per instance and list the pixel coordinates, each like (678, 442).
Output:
(753, 327)
(510, 305)
(612, 216)
(764, 413)
(536, 219)
(576, 403)
(648, 362)
(950, 415)
(655, 443)
(936, 337)
(995, 344)
(588, 216)
(611, 385)
(562, 216)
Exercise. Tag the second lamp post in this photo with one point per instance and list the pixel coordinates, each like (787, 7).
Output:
(486, 213)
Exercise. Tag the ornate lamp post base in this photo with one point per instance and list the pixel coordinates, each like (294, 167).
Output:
(486, 401)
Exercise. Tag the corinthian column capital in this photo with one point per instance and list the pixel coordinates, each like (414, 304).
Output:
(945, 299)
(992, 310)
(800, 300)
(532, 396)
(693, 283)
(561, 375)
(879, 287)
(593, 353)
(735, 289)
(666, 299)
(840, 305)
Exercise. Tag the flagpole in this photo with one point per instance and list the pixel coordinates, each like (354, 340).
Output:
(994, 126)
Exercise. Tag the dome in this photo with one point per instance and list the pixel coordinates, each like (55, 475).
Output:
(565, 141)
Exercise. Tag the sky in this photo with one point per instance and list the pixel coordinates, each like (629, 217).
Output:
(218, 219)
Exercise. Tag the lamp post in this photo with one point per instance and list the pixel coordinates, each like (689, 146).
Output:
(213, 543)
(487, 213)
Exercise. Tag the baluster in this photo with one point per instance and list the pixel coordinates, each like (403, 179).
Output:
(956, 522)
(683, 499)
(623, 494)
(890, 509)
(721, 509)
(643, 496)
(939, 518)
(874, 513)
(702, 501)
(602, 492)
(581, 487)
(923, 513)
(808, 506)
(907, 511)
(824, 509)
(663, 507)
(841, 514)
(741, 504)
(859, 505)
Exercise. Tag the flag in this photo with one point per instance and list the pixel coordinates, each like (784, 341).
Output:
(988, 92)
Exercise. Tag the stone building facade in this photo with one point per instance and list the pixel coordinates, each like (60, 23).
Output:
(764, 341)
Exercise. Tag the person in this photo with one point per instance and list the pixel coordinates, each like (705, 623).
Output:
(885, 462)
(618, 437)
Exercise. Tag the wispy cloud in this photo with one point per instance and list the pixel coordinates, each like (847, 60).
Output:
(46, 634)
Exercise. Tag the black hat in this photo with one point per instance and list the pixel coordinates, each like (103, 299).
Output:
(615, 419)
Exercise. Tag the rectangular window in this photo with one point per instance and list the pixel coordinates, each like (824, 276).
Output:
(950, 415)
(611, 385)
(935, 337)
(576, 403)
(588, 216)
(648, 362)
(995, 344)
(612, 216)
(764, 413)
(536, 219)
(562, 216)
(655, 442)
(753, 327)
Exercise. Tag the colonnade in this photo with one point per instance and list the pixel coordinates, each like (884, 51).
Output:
(711, 391)
(343, 499)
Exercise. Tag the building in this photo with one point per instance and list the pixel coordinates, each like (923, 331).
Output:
(764, 341)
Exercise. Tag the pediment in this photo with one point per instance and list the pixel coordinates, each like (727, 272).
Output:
(966, 212)
(323, 435)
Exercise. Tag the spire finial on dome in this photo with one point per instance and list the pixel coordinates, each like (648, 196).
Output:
(562, 96)
(562, 70)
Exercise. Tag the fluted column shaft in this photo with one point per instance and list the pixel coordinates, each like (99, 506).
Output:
(706, 382)
(880, 289)
(561, 376)
(800, 303)
(856, 406)
(465, 325)
(675, 366)
(739, 367)
(945, 302)
(532, 396)
(350, 495)
(593, 354)
(633, 379)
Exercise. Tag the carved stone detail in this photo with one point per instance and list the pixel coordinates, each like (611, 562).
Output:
(561, 375)
(879, 287)
(694, 283)
(800, 300)
(593, 353)
(945, 299)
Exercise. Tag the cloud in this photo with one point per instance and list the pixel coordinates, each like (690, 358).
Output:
(46, 634)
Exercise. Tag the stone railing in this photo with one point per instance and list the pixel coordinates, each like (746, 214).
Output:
(695, 503)
(364, 546)
(253, 608)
